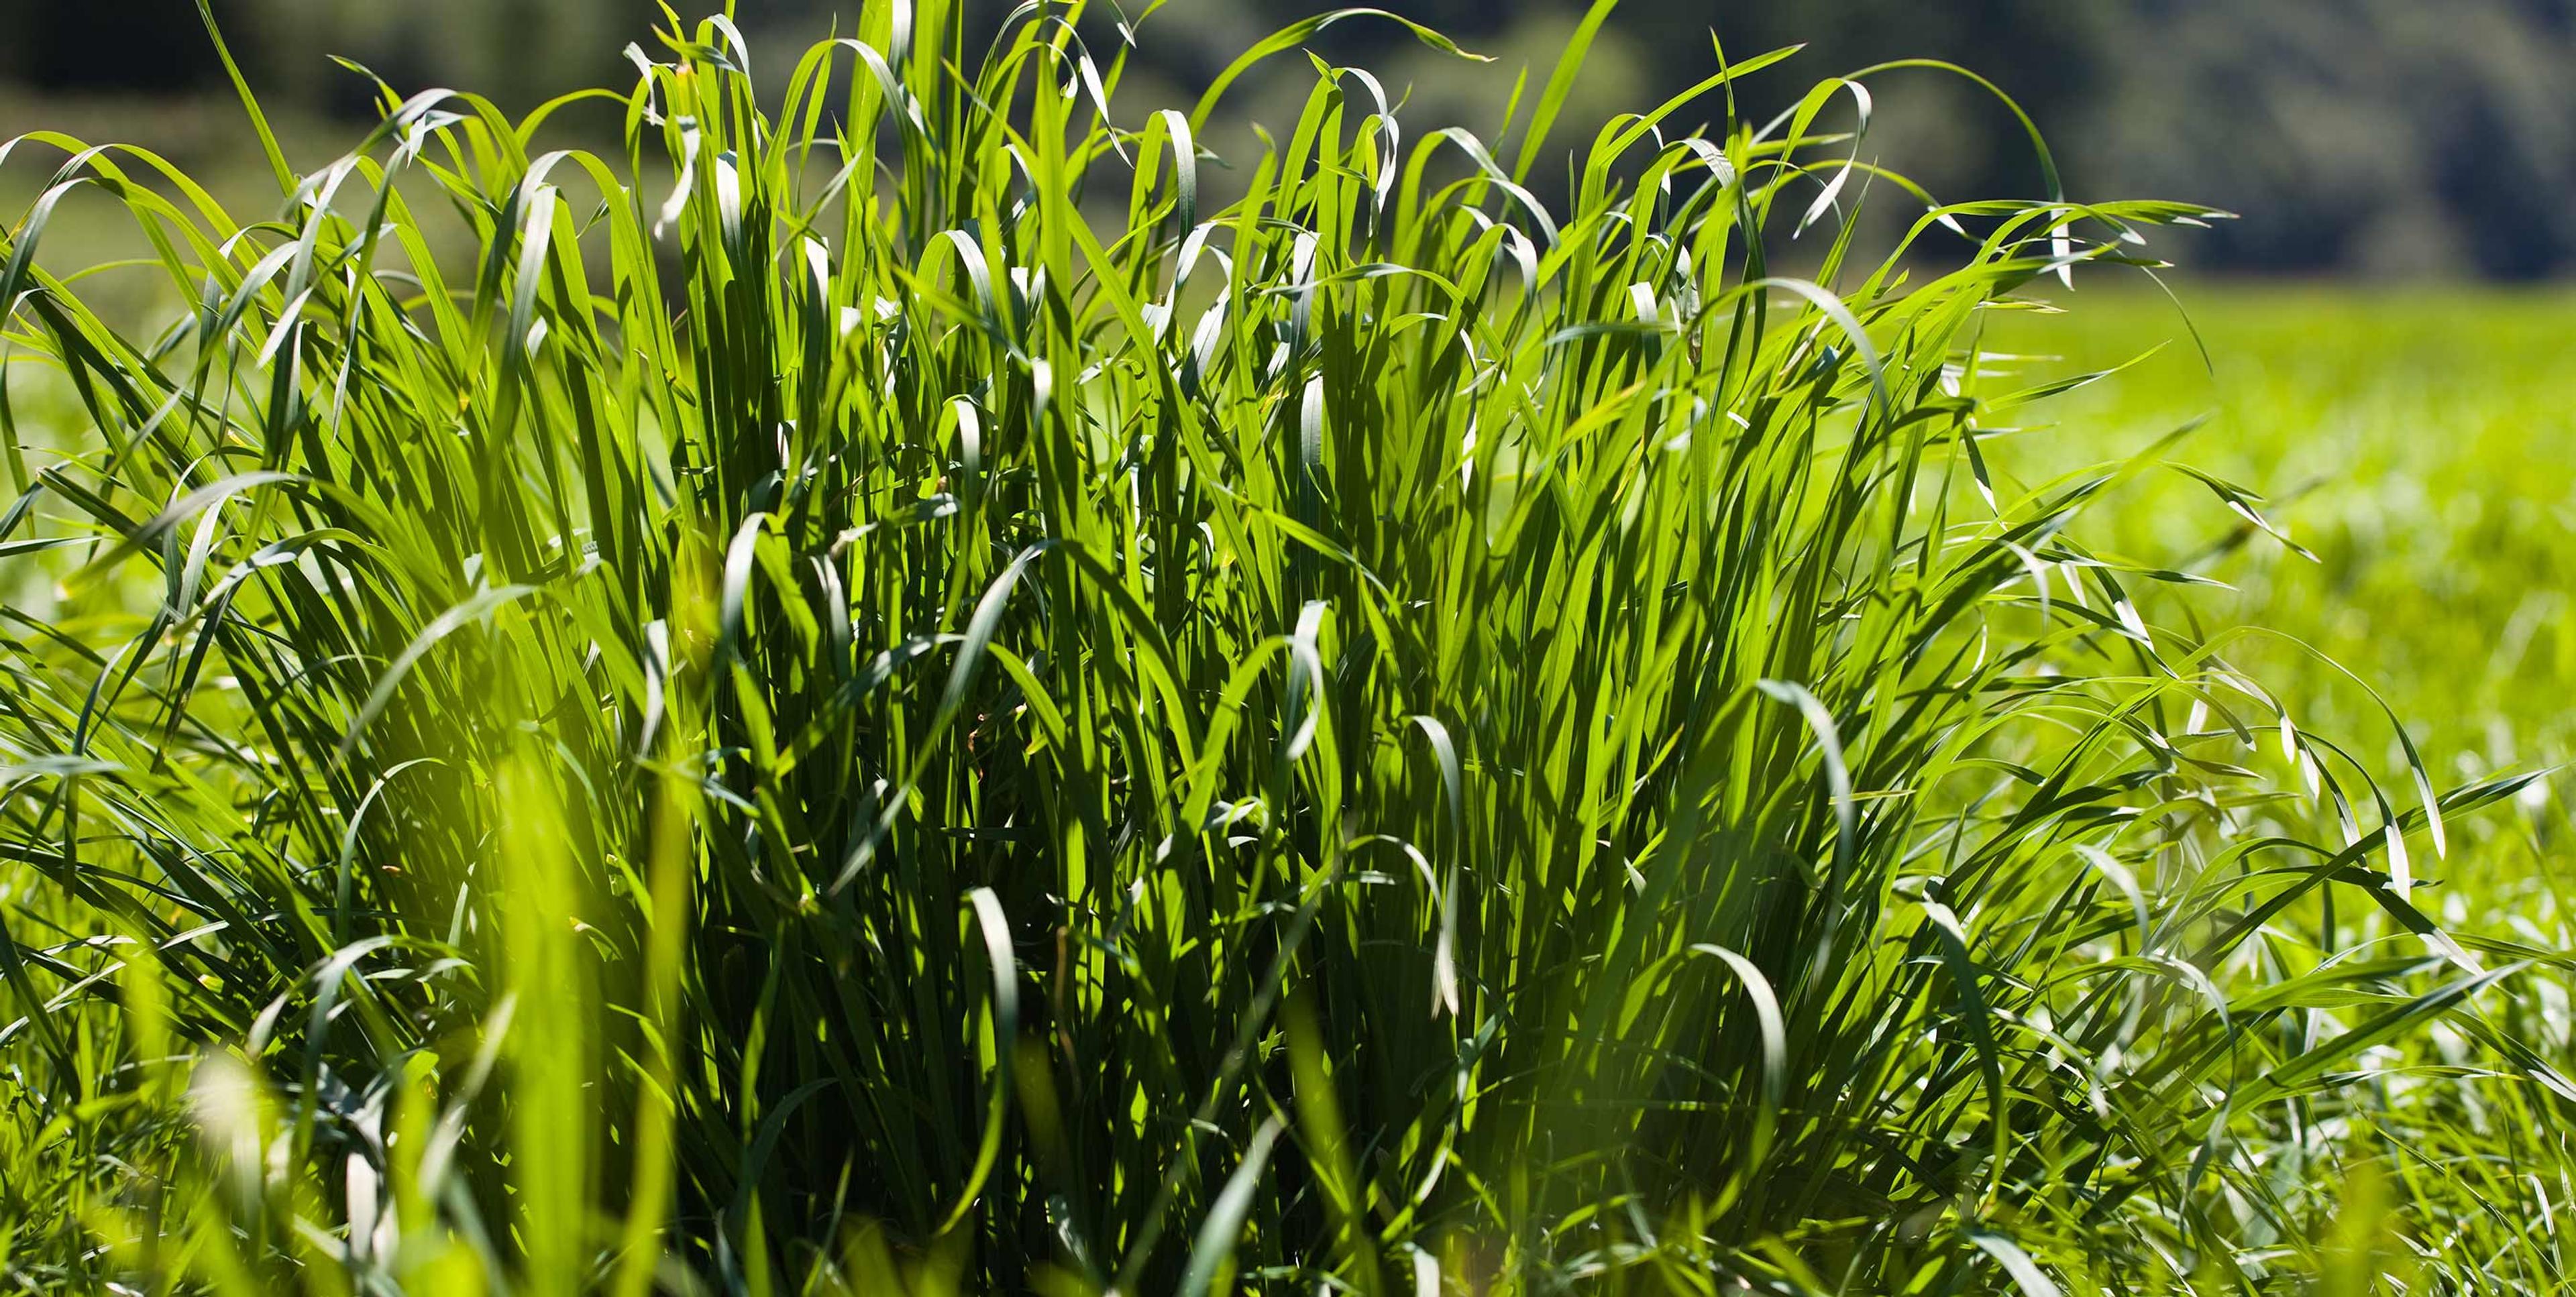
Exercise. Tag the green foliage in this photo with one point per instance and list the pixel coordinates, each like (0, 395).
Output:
(874, 697)
(2420, 452)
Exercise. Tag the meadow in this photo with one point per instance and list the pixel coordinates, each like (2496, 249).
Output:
(880, 691)
(2411, 443)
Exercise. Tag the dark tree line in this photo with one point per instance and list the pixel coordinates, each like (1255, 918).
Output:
(2379, 136)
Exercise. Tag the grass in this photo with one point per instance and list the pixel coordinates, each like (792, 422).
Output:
(903, 705)
(2412, 438)
(2415, 441)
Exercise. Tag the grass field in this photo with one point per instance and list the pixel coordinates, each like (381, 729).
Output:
(748, 730)
(2417, 442)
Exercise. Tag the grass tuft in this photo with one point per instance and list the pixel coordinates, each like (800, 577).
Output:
(901, 695)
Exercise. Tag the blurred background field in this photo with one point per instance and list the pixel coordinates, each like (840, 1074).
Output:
(2420, 442)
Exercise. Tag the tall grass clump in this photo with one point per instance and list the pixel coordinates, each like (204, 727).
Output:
(890, 695)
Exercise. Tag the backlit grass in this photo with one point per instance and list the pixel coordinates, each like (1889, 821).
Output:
(904, 704)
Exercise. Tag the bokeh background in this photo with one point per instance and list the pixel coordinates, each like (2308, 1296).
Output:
(2379, 138)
